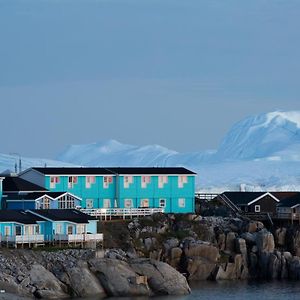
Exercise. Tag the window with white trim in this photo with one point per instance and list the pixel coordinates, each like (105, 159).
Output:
(89, 203)
(66, 202)
(128, 203)
(72, 180)
(162, 180)
(89, 181)
(45, 203)
(162, 203)
(181, 202)
(257, 208)
(145, 203)
(106, 203)
(54, 180)
(128, 180)
(37, 229)
(182, 180)
(107, 180)
(145, 181)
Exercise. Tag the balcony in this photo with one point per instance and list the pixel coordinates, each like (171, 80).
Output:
(24, 239)
(78, 238)
(108, 213)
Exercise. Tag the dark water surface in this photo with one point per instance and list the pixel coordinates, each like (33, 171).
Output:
(245, 290)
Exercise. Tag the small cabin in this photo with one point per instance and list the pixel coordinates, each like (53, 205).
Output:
(20, 227)
(68, 225)
(253, 203)
(289, 208)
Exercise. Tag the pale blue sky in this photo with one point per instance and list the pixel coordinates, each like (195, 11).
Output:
(175, 73)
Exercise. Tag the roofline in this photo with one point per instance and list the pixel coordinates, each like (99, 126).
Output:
(66, 193)
(262, 196)
(122, 174)
(50, 220)
(28, 170)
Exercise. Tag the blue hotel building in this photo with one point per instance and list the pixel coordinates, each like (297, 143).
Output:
(170, 188)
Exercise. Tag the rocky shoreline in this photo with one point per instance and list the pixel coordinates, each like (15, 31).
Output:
(79, 273)
(149, 256)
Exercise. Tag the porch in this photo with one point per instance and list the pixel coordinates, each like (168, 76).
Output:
(109, 213)
(23, 239)
(78, 238)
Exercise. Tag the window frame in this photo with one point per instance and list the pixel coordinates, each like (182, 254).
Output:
(164, 203)
(257, 208)
(181, 202)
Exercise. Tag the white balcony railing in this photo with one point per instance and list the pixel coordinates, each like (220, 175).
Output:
(24, 239)
(73, 238)
(121, 212)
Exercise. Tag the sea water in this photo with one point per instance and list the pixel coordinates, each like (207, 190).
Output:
(234, 290)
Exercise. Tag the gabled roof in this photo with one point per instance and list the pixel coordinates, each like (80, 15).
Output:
(33, 196)
(152, 171)
(284, 195)
(73, 171)
(71, 215)
(17, 184)
(243, 198)
(292, 201)
(19, 216)
(113, 170)
(37, 195)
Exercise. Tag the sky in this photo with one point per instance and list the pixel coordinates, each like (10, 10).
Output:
(168, 72)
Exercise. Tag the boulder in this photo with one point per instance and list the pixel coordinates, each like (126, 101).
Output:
(162, 278)
(265, 241)
(230, 242)
(280, 235)
(83, 283)
(200, 268)
(241, 248)
(232, 271)
(47, 285)
(118, 278)
(174, 257)
(170, 243)
(203, 250)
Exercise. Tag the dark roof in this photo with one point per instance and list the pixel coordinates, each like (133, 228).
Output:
(113, 170)
(32, 196)
(19, 216)
(17, 184)
(152, 170)
(242, 198)
(284, 195)
(73, 171)
(72, 215)
(290, 201)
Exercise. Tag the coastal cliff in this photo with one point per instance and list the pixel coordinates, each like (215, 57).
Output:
(210, 248)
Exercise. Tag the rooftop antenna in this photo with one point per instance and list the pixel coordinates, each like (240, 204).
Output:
(16, 164)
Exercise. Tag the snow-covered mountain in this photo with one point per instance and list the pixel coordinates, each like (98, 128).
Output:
(261, 152)
(271, 136)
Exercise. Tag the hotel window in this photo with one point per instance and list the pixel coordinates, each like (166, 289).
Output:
(182, 180)
(162, 203)
(89, 203)
(128, 203)
(72, 180)
(257, 208)
(89, 180)
(145, 181)
(181, 202)
(162, 180)
(107, 180)
(53, 181)
(106, 203)
(144, 202)
(127, 181)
